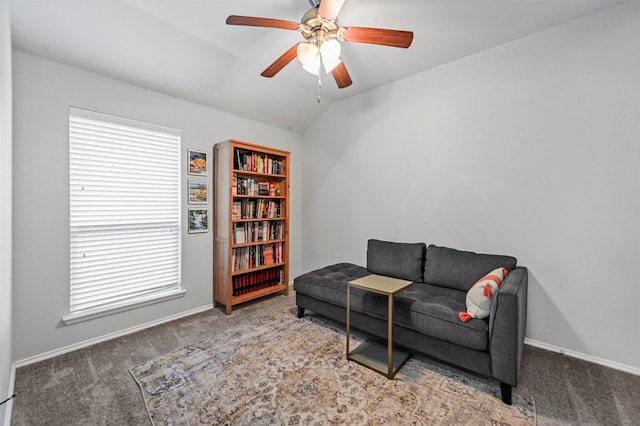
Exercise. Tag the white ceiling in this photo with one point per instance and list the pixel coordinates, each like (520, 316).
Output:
(184, 48)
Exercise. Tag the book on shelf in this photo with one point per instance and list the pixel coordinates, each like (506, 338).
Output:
(239, 185)
(239, 233)
(268, 255)
(274, 189)
(236, 212)
(259, 233)
(237, 162)
(263, 188)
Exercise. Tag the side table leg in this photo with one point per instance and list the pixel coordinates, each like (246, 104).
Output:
(348, 316)
(390, 338)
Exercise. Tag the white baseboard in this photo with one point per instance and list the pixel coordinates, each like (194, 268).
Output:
(84, 344)
(584, 357)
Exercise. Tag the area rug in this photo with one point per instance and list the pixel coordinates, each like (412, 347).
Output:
(288, 371)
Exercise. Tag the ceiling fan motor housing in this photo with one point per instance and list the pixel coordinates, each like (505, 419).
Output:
(315, 28)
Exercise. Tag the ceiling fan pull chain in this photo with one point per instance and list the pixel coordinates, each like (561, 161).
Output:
(319, 42)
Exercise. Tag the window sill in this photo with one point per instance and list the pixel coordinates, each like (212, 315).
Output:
(97, 313)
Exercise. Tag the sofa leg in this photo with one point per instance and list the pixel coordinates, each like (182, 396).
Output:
(505, 391)
(300, 311)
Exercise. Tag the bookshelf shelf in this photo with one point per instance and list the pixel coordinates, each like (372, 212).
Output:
(251, 224)
(255, 269)
(257, 174)
(255, 243)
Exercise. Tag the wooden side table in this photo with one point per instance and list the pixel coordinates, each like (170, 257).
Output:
(371, 354)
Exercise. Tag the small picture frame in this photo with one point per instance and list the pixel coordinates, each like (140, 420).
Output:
(198, 191)
(198, 220)
(197, 162)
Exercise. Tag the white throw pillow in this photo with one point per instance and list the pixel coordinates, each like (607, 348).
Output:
(480, 296)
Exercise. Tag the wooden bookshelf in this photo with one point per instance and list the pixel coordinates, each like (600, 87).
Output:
(251, 222)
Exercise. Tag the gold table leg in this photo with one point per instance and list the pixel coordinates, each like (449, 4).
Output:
(348, 316)
(390, 338)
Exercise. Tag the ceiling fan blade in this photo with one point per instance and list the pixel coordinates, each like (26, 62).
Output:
(329, 9)
(262, 22)
(281, 62)
(393, 38)
(341, 76)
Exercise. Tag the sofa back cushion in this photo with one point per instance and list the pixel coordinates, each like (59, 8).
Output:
(397, 260)
(447, 267)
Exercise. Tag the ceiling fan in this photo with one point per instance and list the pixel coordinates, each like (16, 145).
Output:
(322, 34)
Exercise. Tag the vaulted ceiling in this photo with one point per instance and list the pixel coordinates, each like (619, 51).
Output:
(184, 48)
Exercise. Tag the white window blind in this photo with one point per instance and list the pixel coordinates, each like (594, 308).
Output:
(124, 192)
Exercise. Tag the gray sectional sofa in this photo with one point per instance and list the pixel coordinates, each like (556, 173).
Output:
(426, 313)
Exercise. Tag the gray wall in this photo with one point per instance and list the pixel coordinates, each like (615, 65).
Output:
(529, 149)
(5, 210)
(44, 91)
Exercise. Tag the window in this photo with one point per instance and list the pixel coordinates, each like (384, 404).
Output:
(124, 199)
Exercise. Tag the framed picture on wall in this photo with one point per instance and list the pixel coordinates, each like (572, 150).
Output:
(197, 162)
(198, 220)
(198, 191)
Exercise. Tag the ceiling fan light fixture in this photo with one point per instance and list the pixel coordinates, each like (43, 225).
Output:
(312, 67)
(330, 53)
(309, 57)
(307, 52)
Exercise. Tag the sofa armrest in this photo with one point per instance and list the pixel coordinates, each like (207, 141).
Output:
(507, 325)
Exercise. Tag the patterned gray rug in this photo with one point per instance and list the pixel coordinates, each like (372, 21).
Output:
(285, 370)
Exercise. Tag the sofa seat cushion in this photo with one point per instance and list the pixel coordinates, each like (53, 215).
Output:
(329, 284)
(431, 310)
(447, 267)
